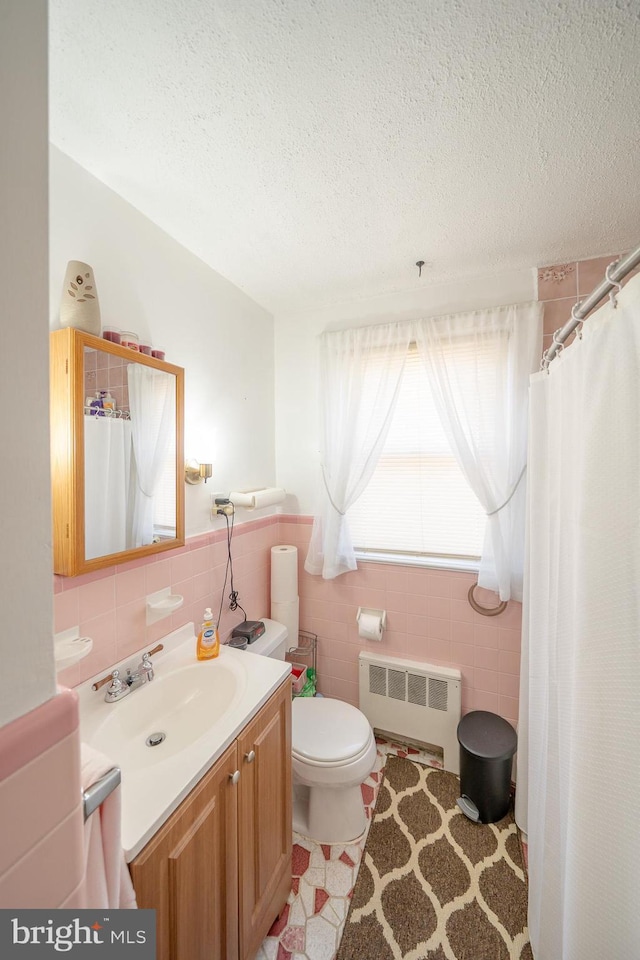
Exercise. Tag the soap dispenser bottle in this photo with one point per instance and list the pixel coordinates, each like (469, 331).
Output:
(208, 645)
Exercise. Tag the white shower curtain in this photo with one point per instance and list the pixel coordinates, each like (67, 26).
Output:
(579, 731)
(152, 401)
(107, 457)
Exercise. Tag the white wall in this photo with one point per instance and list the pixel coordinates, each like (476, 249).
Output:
(297, 419)
(26, 650)
(149, 283)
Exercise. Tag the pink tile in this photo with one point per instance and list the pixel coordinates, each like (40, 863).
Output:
(102, 631)
(130, 628)
(130, 585)
(460, 584)
(157, 575)
(509, 662)
(509, 686)
(396, 579)
(483, 700)
(509, 640)
(591, 273)
(440, 607)
(300, 858)
(462, 654)
(417, 626)
(66, 610)
(416, 604)
(556, 314)
(462, 611)
(396, 602)
(181, 567)
(556, 281)
(439, 584)
(96, 598)
(438, 629)
(508, 708)
(462, 632)
(487, 658)
(485, 635)
(202, 586)
(486, 680)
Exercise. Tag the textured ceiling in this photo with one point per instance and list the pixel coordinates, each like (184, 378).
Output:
(312, 150)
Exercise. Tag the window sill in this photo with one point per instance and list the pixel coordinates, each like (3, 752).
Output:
(414, 560)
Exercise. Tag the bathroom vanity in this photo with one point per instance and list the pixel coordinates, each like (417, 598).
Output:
(206, 814)
(219, 871)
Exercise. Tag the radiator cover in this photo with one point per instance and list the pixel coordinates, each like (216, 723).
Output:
(412, 699)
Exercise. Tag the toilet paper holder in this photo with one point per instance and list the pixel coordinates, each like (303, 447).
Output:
(369, 613)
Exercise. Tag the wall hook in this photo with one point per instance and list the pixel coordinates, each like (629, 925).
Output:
(420, 265)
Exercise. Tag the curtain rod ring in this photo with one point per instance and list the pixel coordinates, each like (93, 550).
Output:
(613, 293)
(485, 611)
(579, 320)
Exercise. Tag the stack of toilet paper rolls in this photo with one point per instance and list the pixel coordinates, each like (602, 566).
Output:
(285, 603)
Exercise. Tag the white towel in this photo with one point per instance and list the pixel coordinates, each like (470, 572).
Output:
(107, 882)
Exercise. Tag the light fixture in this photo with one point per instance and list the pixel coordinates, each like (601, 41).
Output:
(195, 472)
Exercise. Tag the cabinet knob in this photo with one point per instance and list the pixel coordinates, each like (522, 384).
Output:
(250, 757)
(234, 777)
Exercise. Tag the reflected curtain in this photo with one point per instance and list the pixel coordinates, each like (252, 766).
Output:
(356, 410)
(478, 367)
(579, 728)
(107, 455)
(153, 412)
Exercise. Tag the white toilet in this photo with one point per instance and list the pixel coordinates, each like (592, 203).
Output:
(333, 752)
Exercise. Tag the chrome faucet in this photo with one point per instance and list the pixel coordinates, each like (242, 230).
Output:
(119, 688)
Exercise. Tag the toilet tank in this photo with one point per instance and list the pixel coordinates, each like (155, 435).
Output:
(273, 642)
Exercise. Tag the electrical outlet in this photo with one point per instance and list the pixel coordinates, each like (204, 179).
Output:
(225, 509)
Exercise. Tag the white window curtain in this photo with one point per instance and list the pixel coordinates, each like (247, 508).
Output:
(152, 402)
(579, 728)
(478, 366)
(356, 411)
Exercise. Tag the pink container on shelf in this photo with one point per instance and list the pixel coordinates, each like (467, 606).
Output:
(130, 339)
(145, 347)
(113, 334)
(157, 353)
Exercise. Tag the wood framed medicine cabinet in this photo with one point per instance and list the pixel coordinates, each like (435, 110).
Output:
(100, 517)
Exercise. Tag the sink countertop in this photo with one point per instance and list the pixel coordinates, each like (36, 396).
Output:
(151, 791)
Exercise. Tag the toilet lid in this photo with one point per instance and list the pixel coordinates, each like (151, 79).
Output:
(328, 730)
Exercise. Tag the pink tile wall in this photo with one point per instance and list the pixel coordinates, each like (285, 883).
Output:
(110, 605)
(563, 284)
(428, 618)
(42, 851)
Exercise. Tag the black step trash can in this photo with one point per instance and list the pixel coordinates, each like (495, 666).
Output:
(487, 745)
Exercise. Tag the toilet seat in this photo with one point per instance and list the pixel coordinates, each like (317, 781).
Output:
(328, 732)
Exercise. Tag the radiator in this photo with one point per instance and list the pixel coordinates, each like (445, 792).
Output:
(415, 700)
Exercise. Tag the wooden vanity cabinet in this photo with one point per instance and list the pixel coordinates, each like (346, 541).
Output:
(264, 819)
(218, 872)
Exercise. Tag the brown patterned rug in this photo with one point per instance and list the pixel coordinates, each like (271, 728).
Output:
(432, 885)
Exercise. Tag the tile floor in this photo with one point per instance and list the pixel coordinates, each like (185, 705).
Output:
(324, 875)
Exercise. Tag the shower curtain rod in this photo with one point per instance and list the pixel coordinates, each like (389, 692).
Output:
(580, 310)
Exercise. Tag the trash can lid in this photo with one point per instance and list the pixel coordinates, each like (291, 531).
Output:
(487, 735)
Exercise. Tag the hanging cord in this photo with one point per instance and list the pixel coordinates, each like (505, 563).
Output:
(228, 573)
(515, 487)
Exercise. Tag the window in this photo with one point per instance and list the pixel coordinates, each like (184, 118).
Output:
(418, 500)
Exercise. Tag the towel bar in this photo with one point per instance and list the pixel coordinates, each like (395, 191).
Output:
(100, 790)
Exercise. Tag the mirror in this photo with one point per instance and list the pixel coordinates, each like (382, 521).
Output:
(117, 453)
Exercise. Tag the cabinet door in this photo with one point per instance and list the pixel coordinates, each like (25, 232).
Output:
(189, 871)
(265, 831)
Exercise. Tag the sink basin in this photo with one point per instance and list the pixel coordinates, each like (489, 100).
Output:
(182, 705)
(200, 707)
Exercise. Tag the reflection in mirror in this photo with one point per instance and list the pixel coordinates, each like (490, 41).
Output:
(129, 454)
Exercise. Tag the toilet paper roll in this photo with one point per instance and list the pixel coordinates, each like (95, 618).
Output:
(288, 613)
(370, 626)
(284, 573)
(255, 499)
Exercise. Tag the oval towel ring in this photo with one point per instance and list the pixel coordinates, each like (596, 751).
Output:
(485, 611)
